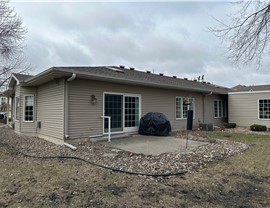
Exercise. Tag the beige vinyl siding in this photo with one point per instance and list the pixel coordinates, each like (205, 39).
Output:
(210, 110)
(50, 109)
(17, 125)
(243, 109)
(84, 117)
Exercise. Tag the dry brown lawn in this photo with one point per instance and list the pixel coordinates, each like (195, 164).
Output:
(239, 181)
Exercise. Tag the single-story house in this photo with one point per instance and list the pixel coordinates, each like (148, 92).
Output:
(249, 105)
(66, 103)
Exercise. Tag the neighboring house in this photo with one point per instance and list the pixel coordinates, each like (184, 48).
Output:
(64, 103)
(249, 105)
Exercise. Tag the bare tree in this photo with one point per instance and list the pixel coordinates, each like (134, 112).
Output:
(12, 35)
(248, 32)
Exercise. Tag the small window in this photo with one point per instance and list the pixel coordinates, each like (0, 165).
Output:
(17, 108)
(220, 109)
(3, 100)
(181, 109)
(29, 108)
(264, 109)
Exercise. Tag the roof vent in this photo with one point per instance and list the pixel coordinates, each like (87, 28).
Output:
(208, 82)
(195, 80)
(185, 78)
(161, 74)
(131, 68)
(121, 66)
(148, 72)
(174, 76)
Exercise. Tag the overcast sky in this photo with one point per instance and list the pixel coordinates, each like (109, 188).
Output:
(171, 38)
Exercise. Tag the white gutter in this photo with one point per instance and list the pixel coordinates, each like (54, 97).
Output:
(248, 92)
(73, 76)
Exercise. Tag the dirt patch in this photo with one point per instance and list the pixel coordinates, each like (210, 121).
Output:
(116, 190)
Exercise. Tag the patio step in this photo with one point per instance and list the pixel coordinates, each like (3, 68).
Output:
(113, 136)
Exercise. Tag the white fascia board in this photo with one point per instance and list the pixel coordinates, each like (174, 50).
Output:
(249, 92)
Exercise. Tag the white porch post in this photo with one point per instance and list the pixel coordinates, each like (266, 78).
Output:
(7, 122)
(11, 110)
(109, 126)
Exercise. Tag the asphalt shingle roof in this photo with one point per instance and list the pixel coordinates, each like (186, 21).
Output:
(127, 74)
(22, 77)
(243, 88)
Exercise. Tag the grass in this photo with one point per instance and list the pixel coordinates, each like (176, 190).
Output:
(239, 181)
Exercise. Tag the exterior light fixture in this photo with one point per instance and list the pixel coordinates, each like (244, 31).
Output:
(93, 99)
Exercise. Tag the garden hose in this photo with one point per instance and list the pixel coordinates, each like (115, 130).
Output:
(96, 164)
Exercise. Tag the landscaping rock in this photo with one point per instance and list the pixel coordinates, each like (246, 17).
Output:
(122, 160)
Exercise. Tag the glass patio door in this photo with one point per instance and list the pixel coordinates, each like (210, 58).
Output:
(114, 108)
(124, 111)
(131, 113)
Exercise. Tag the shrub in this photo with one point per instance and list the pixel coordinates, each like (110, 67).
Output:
(230, 125)
(257, 127)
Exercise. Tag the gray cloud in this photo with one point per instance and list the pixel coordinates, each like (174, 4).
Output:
(167, 37)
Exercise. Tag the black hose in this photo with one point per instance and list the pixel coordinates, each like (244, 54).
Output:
(98, 165)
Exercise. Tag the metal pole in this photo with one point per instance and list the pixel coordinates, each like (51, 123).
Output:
(109, 130)
(188, 107)
(187, 139)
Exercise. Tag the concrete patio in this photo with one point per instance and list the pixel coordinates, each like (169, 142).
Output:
(153, 145)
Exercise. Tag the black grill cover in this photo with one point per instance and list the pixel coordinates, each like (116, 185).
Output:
(154, 123)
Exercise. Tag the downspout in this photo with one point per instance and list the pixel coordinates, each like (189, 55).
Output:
(35, 104)
(203, 102)
(66, 88)
(73, 76)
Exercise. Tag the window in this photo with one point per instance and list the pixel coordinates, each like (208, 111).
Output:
(181, 109)
(17, 108)
(220, 108)
(28, 108)
(3, 100)
(264, 109)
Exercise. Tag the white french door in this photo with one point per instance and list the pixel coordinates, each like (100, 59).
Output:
(124, 110)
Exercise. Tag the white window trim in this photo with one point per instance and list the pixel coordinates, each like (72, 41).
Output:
(3, 100)
(262, 119)
(24, 108)
(123, 94)
(15, 111)
(182, 109)
(223, 116)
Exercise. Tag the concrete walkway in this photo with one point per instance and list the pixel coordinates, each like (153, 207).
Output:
(153, 145)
